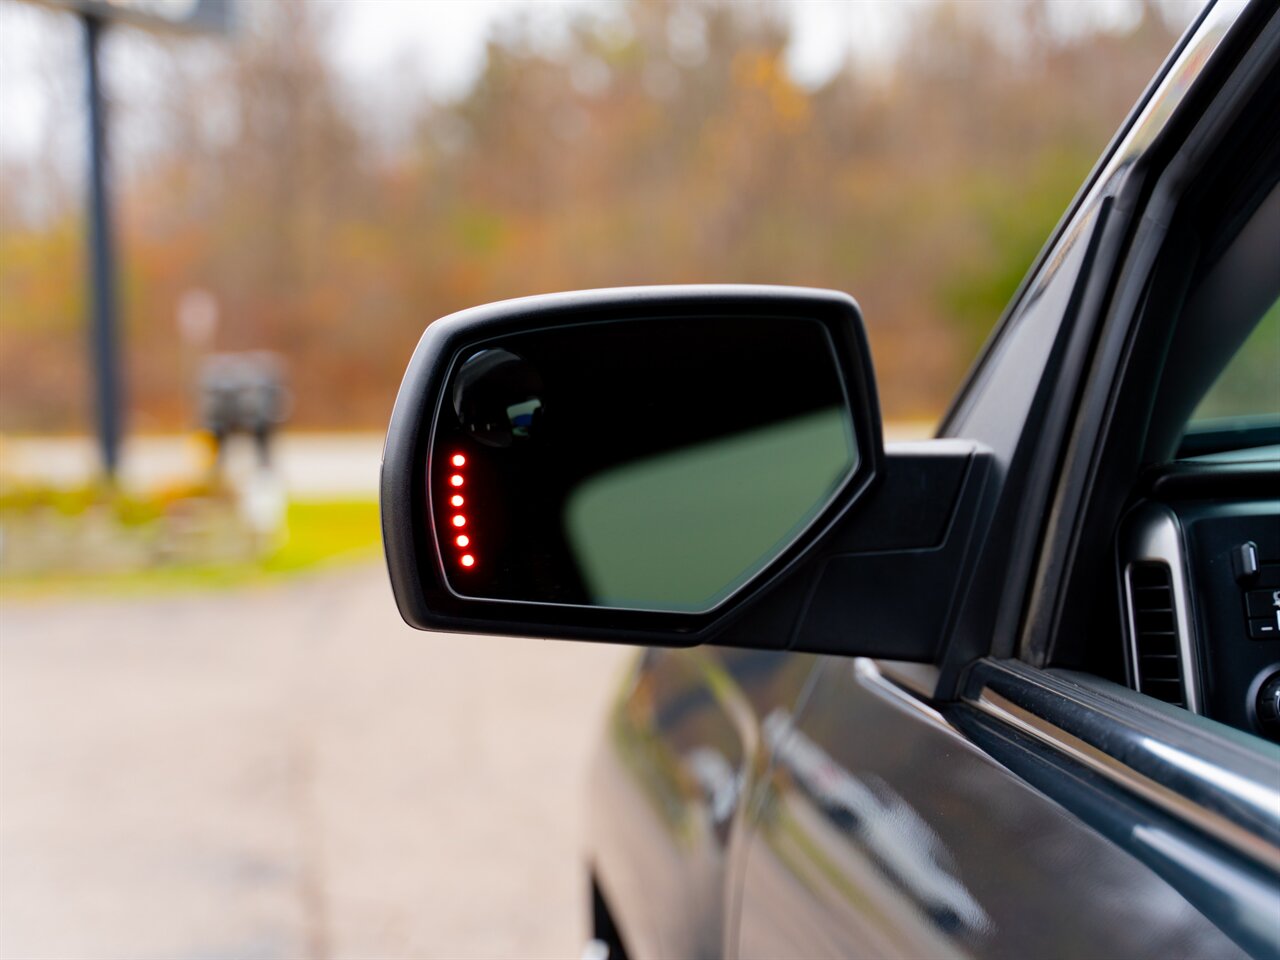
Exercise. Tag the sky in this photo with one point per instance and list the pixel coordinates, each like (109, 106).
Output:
(392, 52)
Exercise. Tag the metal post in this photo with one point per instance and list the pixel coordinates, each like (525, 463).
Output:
(104, 340)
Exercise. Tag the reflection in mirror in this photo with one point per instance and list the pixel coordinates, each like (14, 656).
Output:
(599, 464)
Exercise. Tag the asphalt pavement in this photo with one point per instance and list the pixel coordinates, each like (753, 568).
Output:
(289, 772)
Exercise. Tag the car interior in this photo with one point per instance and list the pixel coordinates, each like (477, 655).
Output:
(1190, 484)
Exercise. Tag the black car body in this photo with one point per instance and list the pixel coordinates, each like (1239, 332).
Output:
(1069, 755)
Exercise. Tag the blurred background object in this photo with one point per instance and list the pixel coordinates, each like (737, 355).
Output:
(95, 17)
(243, 393)
(320, 177)
(213, 756)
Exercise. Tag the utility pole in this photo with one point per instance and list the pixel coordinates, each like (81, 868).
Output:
(161, 16)
(104, 340)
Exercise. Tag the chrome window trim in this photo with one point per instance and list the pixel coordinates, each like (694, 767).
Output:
(1211, 777)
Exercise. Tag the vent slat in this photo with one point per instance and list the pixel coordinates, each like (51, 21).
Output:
(1156, 632)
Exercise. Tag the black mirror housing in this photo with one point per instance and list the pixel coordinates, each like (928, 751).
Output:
(459, 355)
(878, 566)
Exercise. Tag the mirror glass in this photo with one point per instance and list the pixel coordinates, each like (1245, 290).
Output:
(653, 464)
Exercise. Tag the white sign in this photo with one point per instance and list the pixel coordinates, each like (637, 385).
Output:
(198, 317)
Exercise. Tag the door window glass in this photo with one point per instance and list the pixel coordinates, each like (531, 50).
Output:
(1249, 386)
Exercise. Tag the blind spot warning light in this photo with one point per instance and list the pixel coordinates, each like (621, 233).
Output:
(456, 518)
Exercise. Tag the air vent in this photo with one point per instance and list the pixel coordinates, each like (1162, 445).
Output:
(1155, 632)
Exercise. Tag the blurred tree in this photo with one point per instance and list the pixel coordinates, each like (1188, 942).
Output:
(666, 143)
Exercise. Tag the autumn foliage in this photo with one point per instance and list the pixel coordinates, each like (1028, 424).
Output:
(924, 189)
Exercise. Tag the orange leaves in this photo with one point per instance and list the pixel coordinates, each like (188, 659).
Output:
(678, 149)
(762, 72)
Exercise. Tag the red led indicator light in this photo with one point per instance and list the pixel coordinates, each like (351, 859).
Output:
(459, 520)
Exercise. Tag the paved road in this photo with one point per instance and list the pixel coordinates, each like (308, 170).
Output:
(288, 772)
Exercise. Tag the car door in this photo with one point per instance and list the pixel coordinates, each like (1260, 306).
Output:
(889, 829)
(666, 788)
(992, 804)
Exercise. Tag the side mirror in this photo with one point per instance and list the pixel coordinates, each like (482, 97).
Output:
(634, 465)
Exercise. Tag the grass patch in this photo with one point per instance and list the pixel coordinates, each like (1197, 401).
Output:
(324, 532)
(320, 534)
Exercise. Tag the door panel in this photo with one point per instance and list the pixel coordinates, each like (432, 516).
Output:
(666, 785)
(880, 830)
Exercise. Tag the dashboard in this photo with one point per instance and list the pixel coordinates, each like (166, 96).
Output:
(1199, 569)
